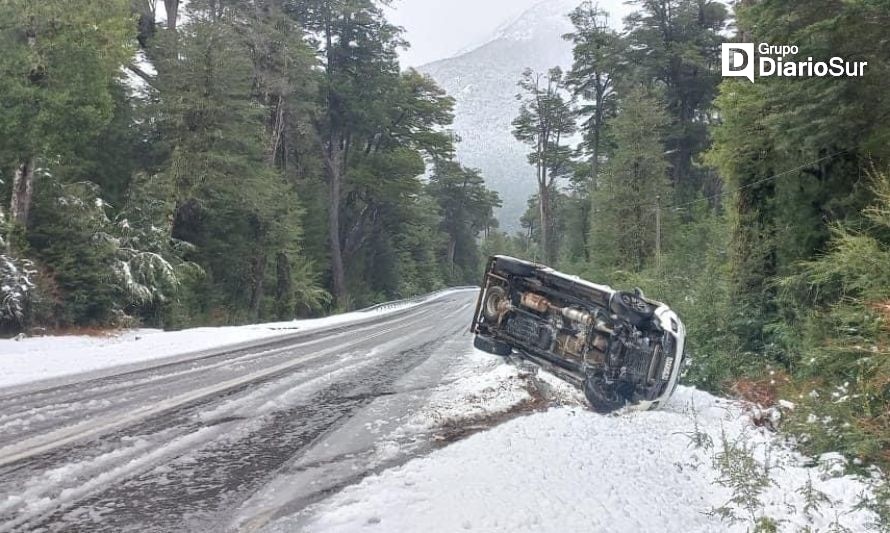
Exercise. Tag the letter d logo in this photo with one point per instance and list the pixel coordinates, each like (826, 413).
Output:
(738, 60)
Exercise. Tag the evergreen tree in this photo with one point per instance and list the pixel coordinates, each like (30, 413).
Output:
(675, 46)
(466, 207)
(828, 113)
(545, 123)
(624, 232)
(747, 160)
(599, 54)
(795, 153)
(231, 203)
(824, 125)
(286, 84)
(56, 74)
(383, 194)
(374, 127)
(358, 51)
(104, 269)
(840, 342)
(283, 78)
(16, 285)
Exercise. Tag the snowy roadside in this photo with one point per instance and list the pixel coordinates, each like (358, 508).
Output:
(568, 469)
(477, 393)
(39, 358)
(457, 392)
(482, 392)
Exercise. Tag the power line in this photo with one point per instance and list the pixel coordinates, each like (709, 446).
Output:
(758, 182)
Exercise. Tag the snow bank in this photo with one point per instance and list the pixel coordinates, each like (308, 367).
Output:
(39, 358)
(569, 469)
(480, 386)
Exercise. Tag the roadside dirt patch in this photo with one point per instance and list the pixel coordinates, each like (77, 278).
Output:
(539, 400)
(764, 392)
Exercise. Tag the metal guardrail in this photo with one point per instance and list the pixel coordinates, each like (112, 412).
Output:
(415, 299)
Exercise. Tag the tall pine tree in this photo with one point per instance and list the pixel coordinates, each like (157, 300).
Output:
(545, 123)
(624, 232)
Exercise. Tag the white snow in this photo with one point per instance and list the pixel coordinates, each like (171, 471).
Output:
(481, 385)
(569, 469)
(38, 358)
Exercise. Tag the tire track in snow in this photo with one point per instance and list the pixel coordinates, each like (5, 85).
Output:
(224, 438)
(18, 409)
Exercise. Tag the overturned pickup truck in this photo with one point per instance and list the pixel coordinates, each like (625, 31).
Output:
(620, 347)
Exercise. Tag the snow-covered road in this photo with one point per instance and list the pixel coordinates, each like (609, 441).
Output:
(205, 444)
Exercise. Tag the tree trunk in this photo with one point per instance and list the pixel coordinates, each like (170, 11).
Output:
(338, 274)
(284, 287)
(145, 21)
(544, 200)
(586, 218)
(335, 164)
(587, 214)
(256, 295)
(595, 159)
(172, 7)
(22, 193)
(276, 129)
(452, 249)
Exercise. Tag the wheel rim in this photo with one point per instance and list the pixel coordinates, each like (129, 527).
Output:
(493, 300)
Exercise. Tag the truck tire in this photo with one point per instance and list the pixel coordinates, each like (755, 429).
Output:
(494, 297)
(632, 308)
(489, 345)
(600, 397)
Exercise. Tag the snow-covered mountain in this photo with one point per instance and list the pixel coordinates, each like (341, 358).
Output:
(483, 80)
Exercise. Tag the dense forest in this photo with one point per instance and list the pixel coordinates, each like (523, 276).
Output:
(268, 159)
(243, 161)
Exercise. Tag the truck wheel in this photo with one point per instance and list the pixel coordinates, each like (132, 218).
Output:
(632, 308)
(487, 344)
(495, 296)
(601, 397)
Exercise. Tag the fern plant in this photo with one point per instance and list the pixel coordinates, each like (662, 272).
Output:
(747, 478)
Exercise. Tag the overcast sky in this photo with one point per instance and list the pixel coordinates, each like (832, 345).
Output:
(438, 29)
(441, 28)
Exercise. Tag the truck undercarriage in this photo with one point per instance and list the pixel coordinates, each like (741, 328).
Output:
(622, 348)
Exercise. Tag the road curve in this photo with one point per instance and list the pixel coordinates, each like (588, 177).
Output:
(226, 441)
